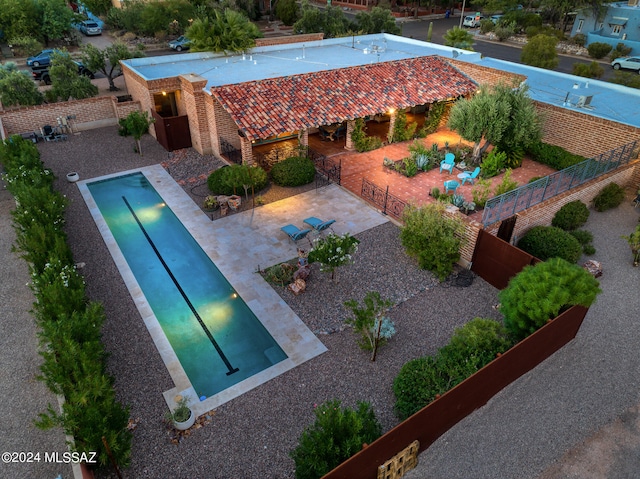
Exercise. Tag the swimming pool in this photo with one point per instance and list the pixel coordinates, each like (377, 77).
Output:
(216, 337)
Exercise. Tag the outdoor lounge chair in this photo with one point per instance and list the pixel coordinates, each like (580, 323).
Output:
(448, 163)
(469, 176)
(451, 185)
(294, 233)
(317, 224)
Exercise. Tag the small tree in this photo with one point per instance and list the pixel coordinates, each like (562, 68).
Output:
(458, 38)
(66, 82)
(540, 292)
(494, 115)
(378, 20)
(634, 243)
(336, 435)
(333, 251)
(135, 124)
(540, 51)
(287, 11)
(107, 60)
(370, 321)
(431, 238)
(17, 87)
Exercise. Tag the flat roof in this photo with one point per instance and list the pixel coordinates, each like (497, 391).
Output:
(289, 59)
(609, 101)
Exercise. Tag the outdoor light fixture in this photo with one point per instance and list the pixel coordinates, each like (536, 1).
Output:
(164, 93)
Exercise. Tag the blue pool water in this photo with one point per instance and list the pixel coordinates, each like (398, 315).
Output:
(216, 337)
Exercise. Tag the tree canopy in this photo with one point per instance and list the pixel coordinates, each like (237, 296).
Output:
(495, 115)
(287, 11)
(378, 20)
(107, 60)
(226, 31)
(540, 51)
(65, 80)
(331, 21)
(17, 87)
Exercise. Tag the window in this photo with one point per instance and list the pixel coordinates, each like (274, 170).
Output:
(616, 29)
(580, 25)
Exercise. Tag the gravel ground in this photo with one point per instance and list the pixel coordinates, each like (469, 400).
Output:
(251, 436)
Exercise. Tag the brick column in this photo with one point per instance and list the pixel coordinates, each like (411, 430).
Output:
(392, 122)
(303, 137)
(348, 144)
(193, 96)
(247, 151)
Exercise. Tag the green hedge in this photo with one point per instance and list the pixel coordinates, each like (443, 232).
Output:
(471, 347)
(74, 358)
(546, 242)
(294, 171)
(571, 216)
(554, 156)
(609, 197)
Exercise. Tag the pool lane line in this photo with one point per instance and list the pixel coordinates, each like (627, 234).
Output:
(230, 368)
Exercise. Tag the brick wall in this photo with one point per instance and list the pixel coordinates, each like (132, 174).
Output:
(90, 113)
(225, 127)
(307, 37)
(541, 214)
(193, 99)
(485, 76)
(581, 133)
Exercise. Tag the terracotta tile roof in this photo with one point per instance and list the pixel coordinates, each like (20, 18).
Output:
(270, 107)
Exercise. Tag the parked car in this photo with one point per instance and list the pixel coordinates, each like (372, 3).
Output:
(472, 21)
(41, 73)
(180, 43)
(41, 59)
(89, 27)
(628, 63)
(495, 18)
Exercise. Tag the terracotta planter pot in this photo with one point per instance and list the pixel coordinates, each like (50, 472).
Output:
(234, 202)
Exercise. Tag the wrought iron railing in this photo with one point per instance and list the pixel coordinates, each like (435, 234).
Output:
(230, 152)
(328, 167)
(388, 203)
(526, 196)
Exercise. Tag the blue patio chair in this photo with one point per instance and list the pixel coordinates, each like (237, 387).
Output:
(469, 176)
(294, 233)
(317, 224)
(451, 185)
(448, 163)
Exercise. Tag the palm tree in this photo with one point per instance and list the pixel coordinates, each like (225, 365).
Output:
(225, 31)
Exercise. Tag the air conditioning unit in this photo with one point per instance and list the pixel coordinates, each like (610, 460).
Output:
(584, 101)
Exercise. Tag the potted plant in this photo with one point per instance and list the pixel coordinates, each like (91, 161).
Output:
(234, 202)
(182, 416)
(634, 242)
(211, 203)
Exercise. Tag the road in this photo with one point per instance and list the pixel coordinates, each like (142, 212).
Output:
(418, 29)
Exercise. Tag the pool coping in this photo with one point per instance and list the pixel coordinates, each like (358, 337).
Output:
(287, 329)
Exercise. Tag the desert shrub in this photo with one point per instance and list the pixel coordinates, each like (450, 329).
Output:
(471, 347)
(631, 80)
(541, 292)
(609, 197)
(336, 435)
(621, 50)
(553, 156)
(361, 141)
(507, 184)
(504, 30)
(598, 50)
(481, 192)
(579, 39)
(431, 238)
(588, 70)
(293, 171)
(533, 30)
(486, 26)
(571, 216)
(493, 163)
(546, 242)
(229, 179)
(280, 274)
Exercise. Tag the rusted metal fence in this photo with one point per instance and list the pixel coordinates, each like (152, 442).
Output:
(388, 203)
(526, 196)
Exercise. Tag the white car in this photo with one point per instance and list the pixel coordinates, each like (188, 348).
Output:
(628, 63)
(472, 21)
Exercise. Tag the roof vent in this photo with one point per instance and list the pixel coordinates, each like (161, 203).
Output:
(584, 101)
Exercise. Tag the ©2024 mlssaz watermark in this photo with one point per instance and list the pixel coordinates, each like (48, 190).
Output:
(66, 457)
